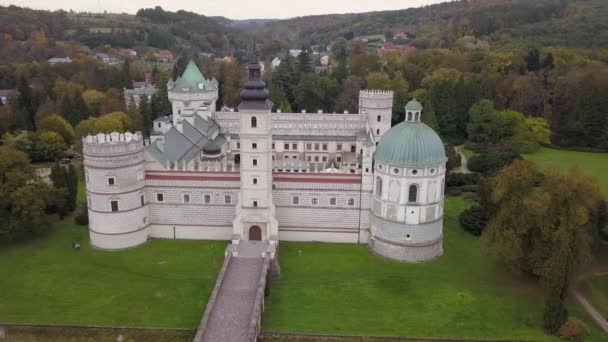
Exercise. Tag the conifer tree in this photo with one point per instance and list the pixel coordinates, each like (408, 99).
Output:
(144, 111)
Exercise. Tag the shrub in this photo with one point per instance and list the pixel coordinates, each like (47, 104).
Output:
(454, 159)
(474, 220)
(573, 330)
(490, 163)
(82, 215)
(461, 179)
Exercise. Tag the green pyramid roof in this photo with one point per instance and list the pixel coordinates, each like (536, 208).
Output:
(192, 80)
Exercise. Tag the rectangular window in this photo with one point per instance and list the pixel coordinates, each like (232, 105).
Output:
(255, 204)
(324, 159)
(316, 147)
(186, 198)
(351, 202)
(333, 201)
(309, 147)
(294, 146)
(273, 146)
(207, 199)
(339, 159)
(255, 181)
(324, 147)
(309, 158)
(294, 157)
(353, 148)
(314, 201)
(159, 125)
(254, 146)
(317, 158)
(286, 157)
(286, 146)
(114, 205)
(111, 181)
(142, 200)
(295, 200)
(339, 147)
(227, 199)
(378, 132)
(255, 162)
(379, 118)
(238, 146)
(160, 198)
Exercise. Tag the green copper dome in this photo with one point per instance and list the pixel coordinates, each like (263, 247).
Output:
(411, 144)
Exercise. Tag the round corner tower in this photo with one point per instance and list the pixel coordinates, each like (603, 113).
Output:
(378, 106)
(114, 175)
(408, 196)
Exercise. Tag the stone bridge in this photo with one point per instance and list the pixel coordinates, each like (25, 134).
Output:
(234, 310)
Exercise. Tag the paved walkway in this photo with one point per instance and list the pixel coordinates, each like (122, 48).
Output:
(577, 292)
(230, 318)
(463, 168)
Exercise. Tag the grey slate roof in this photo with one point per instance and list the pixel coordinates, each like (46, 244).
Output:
(187, 145)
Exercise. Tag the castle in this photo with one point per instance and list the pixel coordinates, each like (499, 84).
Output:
(255, 174)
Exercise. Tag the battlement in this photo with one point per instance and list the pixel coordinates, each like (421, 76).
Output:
(112, 143)
(376, 94)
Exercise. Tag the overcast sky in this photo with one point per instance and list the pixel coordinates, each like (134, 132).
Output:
(234, 9)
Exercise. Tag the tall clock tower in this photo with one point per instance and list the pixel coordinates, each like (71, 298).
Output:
(255, 218)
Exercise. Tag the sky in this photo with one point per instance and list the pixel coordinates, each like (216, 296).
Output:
(233, 9)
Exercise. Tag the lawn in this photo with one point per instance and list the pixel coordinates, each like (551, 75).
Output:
(164, 283)
(592, 164)
(596, 290)
(344, 289)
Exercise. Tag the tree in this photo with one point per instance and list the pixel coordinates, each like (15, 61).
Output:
(548, 62)
(93, 99)
(113, 101)
(316, 92)
(48, 146)
(65, 181)
(348, 100)
(55, 123)
(533, 60)
(159, 103)
(25, 105)
(542, 224)
(304, 64)
(144, 113)
(23, 198)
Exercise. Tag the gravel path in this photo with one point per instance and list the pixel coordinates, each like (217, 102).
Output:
(463, 161)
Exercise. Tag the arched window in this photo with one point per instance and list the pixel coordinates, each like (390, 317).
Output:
(413, 194)
(378, 186)
(409, 116)
(254, 122)
(416, 117)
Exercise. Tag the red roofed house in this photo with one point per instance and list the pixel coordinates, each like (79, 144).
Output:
(164, 56)
(127, 52)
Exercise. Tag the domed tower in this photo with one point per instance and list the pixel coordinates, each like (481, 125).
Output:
(114, 174)
(407, 202)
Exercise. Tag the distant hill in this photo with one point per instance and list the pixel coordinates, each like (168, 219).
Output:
(574, 23)
(249, 25)
(151, 27)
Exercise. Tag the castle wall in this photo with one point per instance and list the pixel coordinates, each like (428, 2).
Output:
(319, 124)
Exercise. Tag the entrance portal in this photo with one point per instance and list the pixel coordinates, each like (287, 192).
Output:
(255, 233)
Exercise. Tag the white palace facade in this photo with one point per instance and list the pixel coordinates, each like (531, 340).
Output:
(255, 174)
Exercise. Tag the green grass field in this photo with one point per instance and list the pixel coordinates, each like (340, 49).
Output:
(592, 164)
(596, 290)
(344, 289)
(162, 284)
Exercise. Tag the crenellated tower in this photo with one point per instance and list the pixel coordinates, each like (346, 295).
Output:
(378, 105)
(115, 183)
